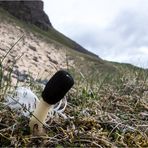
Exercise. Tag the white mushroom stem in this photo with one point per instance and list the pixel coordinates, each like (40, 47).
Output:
(39, 116)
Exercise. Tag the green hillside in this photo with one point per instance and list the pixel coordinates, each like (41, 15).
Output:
(92, 62)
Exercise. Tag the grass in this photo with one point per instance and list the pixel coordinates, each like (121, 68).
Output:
(104, 111)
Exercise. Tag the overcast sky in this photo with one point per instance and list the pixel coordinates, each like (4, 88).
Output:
(116, 30)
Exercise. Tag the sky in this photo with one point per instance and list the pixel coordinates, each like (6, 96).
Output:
(115, 30)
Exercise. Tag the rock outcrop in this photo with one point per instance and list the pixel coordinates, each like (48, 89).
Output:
(28, 11)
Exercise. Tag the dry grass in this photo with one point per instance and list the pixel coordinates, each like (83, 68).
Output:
(107, 112)
(103, 110)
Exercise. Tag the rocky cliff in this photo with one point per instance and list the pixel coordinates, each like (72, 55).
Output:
(28, 11)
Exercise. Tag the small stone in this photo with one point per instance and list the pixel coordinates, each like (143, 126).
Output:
(32, 47)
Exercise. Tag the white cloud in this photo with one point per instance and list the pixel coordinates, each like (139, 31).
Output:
(144, 50)
(99, 12)
(115, 30)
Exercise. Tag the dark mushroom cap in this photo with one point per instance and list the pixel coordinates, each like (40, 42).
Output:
(57, 87)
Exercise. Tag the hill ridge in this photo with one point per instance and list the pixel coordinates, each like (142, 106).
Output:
(32, 12)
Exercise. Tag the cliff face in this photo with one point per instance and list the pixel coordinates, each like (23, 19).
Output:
(28, 11)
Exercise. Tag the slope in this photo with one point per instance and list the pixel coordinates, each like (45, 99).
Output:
(43, 51)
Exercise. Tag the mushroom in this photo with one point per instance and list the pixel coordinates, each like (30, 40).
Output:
(54, 91)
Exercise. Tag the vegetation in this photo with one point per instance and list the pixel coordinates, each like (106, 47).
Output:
(104, 111)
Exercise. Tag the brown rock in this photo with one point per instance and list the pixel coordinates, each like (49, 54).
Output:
(28, 11)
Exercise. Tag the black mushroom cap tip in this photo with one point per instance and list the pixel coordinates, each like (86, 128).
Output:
(57, 87)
